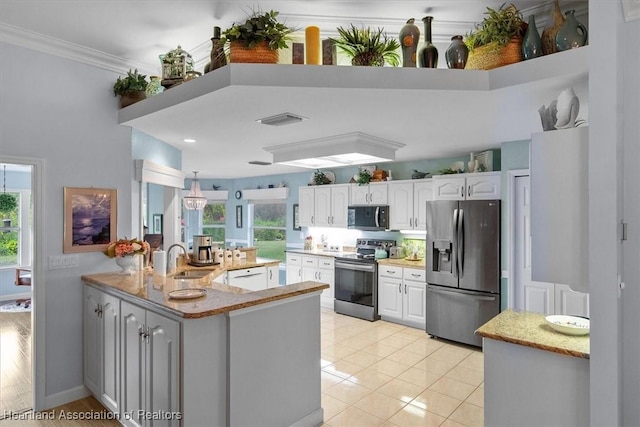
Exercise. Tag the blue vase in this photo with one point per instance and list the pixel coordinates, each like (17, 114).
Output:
(531, 43)
(571, 34)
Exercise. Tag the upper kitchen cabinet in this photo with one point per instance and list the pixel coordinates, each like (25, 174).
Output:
(408, 204)
(559, 207)
(323, 206)
(472, 186)
(375, 193)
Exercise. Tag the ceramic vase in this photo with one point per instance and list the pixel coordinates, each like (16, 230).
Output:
(531, 42)
(217, 57)
(128, 264)
(428, 57)
(549, 33)
(572, 34)
(409, 37)
(457, 53)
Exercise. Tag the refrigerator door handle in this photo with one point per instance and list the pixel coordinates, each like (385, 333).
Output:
(455, 242)
(461, 241)
(460, 294)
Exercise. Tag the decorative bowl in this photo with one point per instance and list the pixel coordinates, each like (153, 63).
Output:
(568, 325)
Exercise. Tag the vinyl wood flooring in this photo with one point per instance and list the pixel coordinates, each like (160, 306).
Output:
(15, 362)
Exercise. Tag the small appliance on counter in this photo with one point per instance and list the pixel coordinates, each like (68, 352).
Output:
(396, 252)
(202, 250)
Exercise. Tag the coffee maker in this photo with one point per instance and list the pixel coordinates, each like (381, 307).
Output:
(202, 252)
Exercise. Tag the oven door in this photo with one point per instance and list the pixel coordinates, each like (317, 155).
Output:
(356, 282)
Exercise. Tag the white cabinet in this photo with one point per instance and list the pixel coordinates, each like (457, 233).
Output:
(554, 298)
(375, 193)
(559, 207)
(101, 346)
(408, 203)
(324, 206)
(320, 269)
(401, 295)
(150, 365)
(471, 186)
(273, 276)
(294, 268)
(253, 279)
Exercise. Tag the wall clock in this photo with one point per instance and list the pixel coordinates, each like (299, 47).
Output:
(238, 194)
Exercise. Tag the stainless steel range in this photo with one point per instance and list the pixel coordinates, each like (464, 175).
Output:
(356, 280)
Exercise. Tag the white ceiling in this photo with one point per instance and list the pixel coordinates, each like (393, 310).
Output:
(118, 35)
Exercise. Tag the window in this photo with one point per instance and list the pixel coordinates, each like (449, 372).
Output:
(213, 220)
(15, 232)
(269, 230)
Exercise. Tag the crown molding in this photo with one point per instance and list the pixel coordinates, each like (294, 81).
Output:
(72, 51)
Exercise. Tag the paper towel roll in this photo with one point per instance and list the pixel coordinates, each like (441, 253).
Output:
(160, 263)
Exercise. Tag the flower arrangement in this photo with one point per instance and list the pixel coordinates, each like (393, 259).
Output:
(126, 247)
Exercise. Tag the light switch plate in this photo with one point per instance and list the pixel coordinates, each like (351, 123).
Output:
(59, 262)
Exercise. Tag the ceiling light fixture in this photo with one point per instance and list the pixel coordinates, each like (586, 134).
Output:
(354, 148)
(195, 200)
(189, 140)
(281, 119)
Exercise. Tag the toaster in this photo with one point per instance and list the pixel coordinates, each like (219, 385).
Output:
(396, 252)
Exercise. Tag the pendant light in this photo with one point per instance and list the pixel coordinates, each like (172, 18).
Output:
(195, 200)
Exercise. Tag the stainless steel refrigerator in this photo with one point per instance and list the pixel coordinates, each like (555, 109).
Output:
(463, 268)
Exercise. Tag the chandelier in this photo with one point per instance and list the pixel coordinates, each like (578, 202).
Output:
(195, 200)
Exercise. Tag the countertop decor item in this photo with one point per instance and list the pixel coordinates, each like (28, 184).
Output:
(188, 293)
(364, 177)
(497, 40)
(428, 56)
(567, 108)
(409, 37)
(368, 47)
(569, 325)
(531, 43)
(457, 53)
(257, 39)
(419, 175)
(571, 34)
(312, 45)
(130, 88)
(126, 247)
(175, 65)
(321, 178)
(555, 21)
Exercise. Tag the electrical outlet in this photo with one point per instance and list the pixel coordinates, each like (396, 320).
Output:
(59, 262)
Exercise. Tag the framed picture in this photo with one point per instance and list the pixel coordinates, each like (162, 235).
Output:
(238, 216)
(485, 161)
(296, 217)
(157, 223)
(90, 219)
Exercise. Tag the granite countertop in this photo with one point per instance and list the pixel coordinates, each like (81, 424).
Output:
(403, 262)
(531, 330)
(220, 298)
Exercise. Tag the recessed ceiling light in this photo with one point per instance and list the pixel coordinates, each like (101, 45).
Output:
(281, 119)
(189, 140)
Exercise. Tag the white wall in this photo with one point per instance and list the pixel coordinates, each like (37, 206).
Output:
(64, 113)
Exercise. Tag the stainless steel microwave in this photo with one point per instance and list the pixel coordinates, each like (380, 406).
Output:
(368, 217)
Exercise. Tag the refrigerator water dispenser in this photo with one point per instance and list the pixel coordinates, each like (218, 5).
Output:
(442, 256)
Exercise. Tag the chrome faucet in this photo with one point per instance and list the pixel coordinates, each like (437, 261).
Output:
(169, 259)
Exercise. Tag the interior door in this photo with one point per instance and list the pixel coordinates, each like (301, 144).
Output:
(479, 228)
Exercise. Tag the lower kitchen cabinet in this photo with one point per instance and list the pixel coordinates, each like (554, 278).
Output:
(401, 295)
(294, 268)
(101, 346)
(150, 366)
(273, 276)
(320, 269)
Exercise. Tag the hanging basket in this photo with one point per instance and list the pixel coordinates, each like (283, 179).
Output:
(261, 53)
(493, 56)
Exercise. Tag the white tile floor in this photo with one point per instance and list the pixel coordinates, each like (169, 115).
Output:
(385, 374)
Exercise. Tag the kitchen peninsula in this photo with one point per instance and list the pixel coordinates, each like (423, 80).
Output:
(534, 376)
(232, 357)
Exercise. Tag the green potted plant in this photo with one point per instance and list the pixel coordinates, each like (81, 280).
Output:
(497, 40)
(130, 88)
(364, 177)
(319, 178)
(8, 204)
(257, 39)
(368, 47)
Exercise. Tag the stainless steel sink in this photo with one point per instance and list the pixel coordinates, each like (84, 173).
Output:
(191, 274)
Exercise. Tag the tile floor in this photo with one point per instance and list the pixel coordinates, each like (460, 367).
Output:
(385, 374)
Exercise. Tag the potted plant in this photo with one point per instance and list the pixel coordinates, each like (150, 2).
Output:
(319, 178)
(497, 40)
(130, 88)
(257, 39)
(8, 204)
(368, 47)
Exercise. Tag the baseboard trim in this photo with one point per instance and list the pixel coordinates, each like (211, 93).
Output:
(314, 419)
(11, 297)
(66, 396)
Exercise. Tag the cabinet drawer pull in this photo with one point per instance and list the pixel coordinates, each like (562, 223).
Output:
(416, 275)
(400, 287)
(391, 272)
(405, 288)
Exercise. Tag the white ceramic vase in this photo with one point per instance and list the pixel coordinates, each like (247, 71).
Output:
(129, 264)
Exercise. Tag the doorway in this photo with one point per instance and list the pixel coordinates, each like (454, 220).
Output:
(20, 274)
